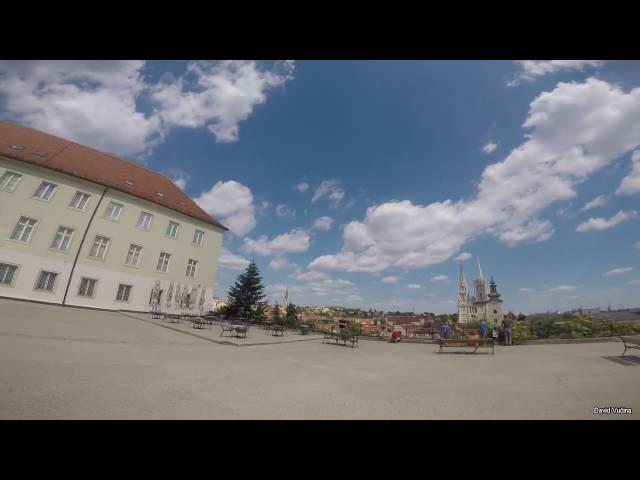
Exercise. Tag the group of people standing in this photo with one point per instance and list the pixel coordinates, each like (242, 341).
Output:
(484, 330)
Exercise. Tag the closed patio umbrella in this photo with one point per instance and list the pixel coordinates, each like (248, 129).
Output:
(169, 295)
(193, 298)
(178, 298)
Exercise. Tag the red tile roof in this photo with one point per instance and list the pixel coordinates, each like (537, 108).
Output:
(89, 164)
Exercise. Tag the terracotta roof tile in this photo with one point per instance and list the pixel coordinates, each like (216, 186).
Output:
(89, 164)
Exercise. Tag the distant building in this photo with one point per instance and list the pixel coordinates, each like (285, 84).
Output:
(485, 304)
(218, 303)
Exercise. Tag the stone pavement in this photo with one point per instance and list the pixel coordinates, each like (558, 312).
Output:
(71, 363)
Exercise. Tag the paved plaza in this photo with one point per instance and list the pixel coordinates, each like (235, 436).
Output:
(68, 363)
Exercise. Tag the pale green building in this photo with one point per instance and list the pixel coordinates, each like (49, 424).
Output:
(80, 227)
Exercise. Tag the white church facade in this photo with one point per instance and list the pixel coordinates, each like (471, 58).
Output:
(485, 304)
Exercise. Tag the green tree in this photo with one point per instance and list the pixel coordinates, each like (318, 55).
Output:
(276, 314)
(291, 319)
(246, 296)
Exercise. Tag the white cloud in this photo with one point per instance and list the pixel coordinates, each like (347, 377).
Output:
(232, 261)
(532, 69)
(574, 131)
(489, 147)
(302, 187)
(284, 211)
(90, 102)
(527, 290)
(322, 223)
(179, 177)
(390, 279)
(630, 184)
(413, 286)
(279, 263)
(599, 201)
(218, 94)
(603, 223)
(439, 279)
(330, 189)
(618, 271)
(96, 102)
(563, 288)
(464, 256)
(295, 241)
(232, 204)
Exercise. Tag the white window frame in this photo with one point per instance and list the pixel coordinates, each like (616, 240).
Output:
(55, 282)
(168, 262)
(128, 294)
(53, 191)
(106, 249)
(126, 260)
(81, 195)
(93, 292)
(140, 225)
(14, 277)
(117, 217)
(195, 236)
(177, 229)
(55, 236)
(7, 188)
(193, 268)
(33, 228)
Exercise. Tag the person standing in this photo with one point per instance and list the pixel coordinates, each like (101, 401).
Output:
(506, 325)
(446, 330)
(484, 328)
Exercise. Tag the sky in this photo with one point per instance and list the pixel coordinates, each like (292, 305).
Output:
(368, 183)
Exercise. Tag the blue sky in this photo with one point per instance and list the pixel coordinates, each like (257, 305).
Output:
(410, 166)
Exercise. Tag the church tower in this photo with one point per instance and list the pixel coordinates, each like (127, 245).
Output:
(481, 285)
(494, 307)
(285, 303)
(464, 303)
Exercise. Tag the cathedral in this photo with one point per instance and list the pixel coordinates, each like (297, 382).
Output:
(486, 304)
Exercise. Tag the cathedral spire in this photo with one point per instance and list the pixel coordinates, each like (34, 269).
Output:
(479, 270)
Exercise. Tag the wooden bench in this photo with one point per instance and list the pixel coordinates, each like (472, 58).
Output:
(198, 322)
(341, 337)
(226, 328)
(629, 343)
(467, 343)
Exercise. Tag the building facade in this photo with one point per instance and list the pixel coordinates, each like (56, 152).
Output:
(486, 304)
(79, 227)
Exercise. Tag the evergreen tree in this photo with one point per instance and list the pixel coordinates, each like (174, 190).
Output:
(291, 318)
(276, 314)
(246, 296)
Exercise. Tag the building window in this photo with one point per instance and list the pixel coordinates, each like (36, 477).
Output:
(99, 248)
(62, 239)
(198, 236)
(495, 311)
(87, 287)
(163, 262)
(80, 200)
(46, 281)
(123, 292)
(9, 180)
(7, 274)
(144, 222)
(23, 229)
(133, 257)
(172, 230)
(191, 268)
(113, 211)
(45, 191)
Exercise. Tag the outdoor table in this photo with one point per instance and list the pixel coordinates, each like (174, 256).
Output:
(304, 329)
(278, 329)
(240, 329)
